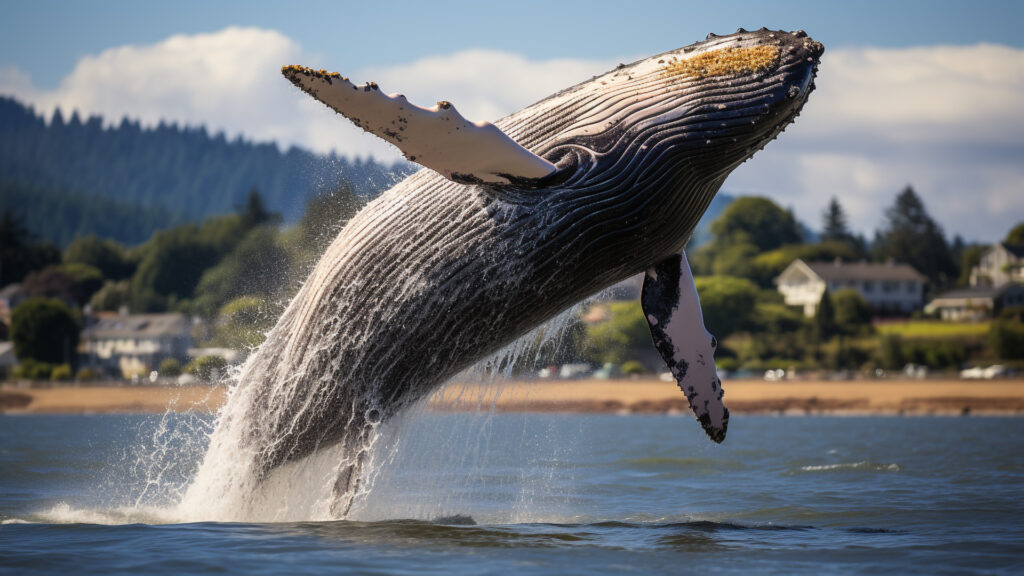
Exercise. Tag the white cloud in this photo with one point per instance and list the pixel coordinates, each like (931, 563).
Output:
(948, 120)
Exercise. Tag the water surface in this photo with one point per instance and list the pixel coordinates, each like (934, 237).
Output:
(540, 494)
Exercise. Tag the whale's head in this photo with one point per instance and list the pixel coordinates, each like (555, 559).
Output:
(687, 117)
(714, 102)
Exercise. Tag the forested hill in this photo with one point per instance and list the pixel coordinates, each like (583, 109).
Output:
(185, 174)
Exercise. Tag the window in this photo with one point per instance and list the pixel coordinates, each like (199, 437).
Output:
(888, 286)
(869, 286)
(911, 287)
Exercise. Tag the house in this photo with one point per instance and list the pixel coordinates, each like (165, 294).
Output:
(976, 302)
(1001, 264)
(7, 359)
(134, 344)
(888, 287)
(10, 296)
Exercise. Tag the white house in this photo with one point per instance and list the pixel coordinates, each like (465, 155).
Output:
(888, 287)
(976, 302)
(134, 344)
(1001, 264)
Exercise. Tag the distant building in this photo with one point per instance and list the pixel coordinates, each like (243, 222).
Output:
(7, 359)
(976, 302)
(889, 287)
(10, 296)
(1001, 264)
(134, 344)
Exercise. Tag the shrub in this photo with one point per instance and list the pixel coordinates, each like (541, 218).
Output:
(61, 373)
(87, 374)
(1007, 339)
(169, 367)
(33, 370)
(633, 367)
(207, 368)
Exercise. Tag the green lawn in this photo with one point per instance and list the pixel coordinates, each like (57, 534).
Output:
(934, 329)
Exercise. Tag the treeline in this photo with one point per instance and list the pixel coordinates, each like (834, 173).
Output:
(148, 178)
(753, 241)
(236, 271)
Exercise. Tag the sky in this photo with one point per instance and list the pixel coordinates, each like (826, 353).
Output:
(928, 94)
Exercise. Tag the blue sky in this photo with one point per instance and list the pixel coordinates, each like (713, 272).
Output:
(927, 93)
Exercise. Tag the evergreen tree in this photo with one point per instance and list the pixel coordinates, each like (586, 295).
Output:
(835, 227)
(911, 236)
(19, 255)
(254, 213)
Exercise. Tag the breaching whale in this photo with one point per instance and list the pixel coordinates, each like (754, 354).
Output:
(507, 225)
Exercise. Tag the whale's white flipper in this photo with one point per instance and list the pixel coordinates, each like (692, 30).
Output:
(672, 309)
(438, 138)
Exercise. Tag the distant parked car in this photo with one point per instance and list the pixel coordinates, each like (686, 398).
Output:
(973, 373)
(775, 375)
(569, 371)
(979, 373)
(918, 371)
(996, 371)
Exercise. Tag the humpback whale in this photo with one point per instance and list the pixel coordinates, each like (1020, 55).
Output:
(506, 225)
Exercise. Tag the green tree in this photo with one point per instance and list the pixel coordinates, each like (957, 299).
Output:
(208, 368)
(757, 221)
(109, 257)
(825, 319)
(244, 322)
(325, 216)
(44, 330)
(834, 226)
(258, 266)
(1016, 235)
(19, 254)
(173, 261)
(836, 230)
(970, 257)
(112, 296)
(911, 236)
(727, 303)
(254, 213)
(618, 338)
(852, 313)
(72, 282)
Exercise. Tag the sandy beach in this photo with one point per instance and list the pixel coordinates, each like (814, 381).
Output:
(933, 396)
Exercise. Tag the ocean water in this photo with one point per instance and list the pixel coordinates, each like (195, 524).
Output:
(538, 494)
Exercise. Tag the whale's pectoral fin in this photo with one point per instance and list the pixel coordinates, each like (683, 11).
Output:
(672, 309)
(438, 138)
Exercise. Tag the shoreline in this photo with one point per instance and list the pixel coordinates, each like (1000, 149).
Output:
(621, 396)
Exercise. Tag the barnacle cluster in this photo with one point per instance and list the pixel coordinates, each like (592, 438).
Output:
(308, 71)
(726, 61)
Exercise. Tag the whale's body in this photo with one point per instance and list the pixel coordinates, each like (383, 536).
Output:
(438, 273)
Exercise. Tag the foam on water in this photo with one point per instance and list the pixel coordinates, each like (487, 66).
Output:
(194, 470)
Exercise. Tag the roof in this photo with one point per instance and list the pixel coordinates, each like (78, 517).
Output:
(839, 270)
(1016, 249)
(978, 292)
(137, 326)
(10, 290)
